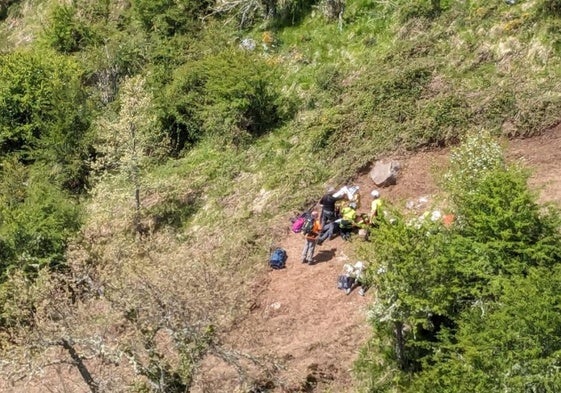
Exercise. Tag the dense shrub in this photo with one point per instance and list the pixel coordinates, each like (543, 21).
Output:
(233, 95)
(510, 343)
(37, 219)
(170, 17)
(446, 294)
(66, 33)
(43, 112)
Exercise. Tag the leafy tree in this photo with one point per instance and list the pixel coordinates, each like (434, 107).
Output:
(496, 208)
(66, 33)
(43, 113)
(232, 95)
(36, 219)
(511, 343)
(438, 287)
(130, 142)
(503, 218)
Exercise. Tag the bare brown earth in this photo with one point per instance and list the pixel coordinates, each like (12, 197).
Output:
(314, 329)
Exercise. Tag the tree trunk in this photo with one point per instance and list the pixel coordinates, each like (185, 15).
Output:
(135, 178)
(400, 345)
(78, 362)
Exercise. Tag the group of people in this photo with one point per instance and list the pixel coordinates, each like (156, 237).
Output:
(339, 216)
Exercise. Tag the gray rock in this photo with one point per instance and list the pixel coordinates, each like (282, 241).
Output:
(384, 174)
(248, 44)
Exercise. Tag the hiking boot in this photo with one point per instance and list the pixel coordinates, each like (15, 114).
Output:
(347, 291)
(361, 292)
(304, 260)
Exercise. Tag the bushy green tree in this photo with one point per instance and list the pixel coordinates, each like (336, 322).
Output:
(36, 219)
(497, 210)
(127, 144)
(233, 95)
(436, 284)
(509, 344)
(65, 33)
(43, 113)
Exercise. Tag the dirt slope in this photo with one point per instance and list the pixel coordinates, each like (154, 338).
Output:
(301, 318)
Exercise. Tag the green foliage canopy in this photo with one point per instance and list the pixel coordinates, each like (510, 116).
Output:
(36, 219)
(66, 33)
(233, 95)
(43, 112)
(170, 17)
(473, 292)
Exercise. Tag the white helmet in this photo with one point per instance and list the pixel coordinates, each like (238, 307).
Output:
(375, 194)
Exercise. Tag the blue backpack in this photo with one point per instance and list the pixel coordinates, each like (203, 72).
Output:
(278, 258)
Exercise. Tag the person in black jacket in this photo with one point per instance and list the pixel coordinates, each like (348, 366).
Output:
(327, 203)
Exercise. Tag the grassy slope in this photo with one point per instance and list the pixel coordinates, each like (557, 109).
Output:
(383, 82)
(375, 86)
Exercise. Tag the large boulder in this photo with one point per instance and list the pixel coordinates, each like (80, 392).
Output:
(384, 174)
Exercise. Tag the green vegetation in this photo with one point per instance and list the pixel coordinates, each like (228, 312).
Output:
(44, 116)
(453, 310)
(232, 96)
(148, 147)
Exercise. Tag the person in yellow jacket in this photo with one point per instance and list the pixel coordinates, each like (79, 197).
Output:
(375, 207)
(348, 220)
(311, 238)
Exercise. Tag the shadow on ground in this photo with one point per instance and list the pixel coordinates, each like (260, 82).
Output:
(324, 256)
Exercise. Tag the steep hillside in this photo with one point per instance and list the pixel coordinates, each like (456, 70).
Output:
(312, 329)
(151, 153)
(299, 319)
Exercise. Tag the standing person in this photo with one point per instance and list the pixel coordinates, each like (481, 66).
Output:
(327, 203)
(311, 237)
(375, 207)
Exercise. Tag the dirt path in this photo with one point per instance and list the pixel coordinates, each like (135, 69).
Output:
(302, 318)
